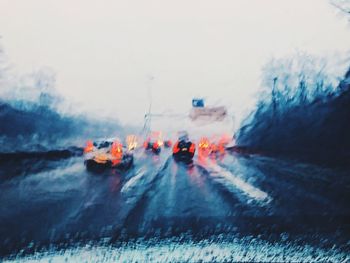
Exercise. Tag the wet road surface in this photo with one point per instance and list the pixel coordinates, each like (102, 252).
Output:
(57, 202)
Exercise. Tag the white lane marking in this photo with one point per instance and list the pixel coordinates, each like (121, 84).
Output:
(133, 180)
(246, 188)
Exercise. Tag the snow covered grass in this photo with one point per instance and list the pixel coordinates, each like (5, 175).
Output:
(175, 250)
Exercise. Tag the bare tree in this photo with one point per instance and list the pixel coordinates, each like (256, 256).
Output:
(342, 5)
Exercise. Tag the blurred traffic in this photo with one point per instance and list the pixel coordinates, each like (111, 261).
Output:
(118, 153)
(115, 153)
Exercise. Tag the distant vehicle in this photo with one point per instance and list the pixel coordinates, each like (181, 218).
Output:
(107, 154)
(154, 142)
(132, 142)
(204, 147)
(184, 149)
(168, 143)
(214, 147)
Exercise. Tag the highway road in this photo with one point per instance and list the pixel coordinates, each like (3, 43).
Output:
(56, 204)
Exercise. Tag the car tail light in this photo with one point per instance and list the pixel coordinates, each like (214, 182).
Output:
(203, 143)
(117, 149)
(156, 145)
(145, 144)
(89, 147)
(192, 148)
(213, 147)
(176, 148)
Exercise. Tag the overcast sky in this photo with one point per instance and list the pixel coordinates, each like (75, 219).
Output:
(107, 53)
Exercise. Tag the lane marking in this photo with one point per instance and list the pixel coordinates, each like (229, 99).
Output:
(133, 180)
(248, 189)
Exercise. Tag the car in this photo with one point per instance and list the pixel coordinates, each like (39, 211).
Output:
(204, 147)
(184, 150)
(107, 154)
(154, 146)
(154, 142)
(168, 143)
(223, 143)
(132, 142)
(214, 147)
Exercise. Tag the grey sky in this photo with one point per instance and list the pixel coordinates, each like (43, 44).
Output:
(106, 52)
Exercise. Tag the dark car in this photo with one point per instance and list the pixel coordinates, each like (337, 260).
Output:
(184, 149)
(107, 154)
(154, 142)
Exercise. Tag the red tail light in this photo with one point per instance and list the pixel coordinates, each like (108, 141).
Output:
(192, 148)
(146, 142)
(117, 149)
(155, 145)
(204, 143)
(89, 146)
(176, 148)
